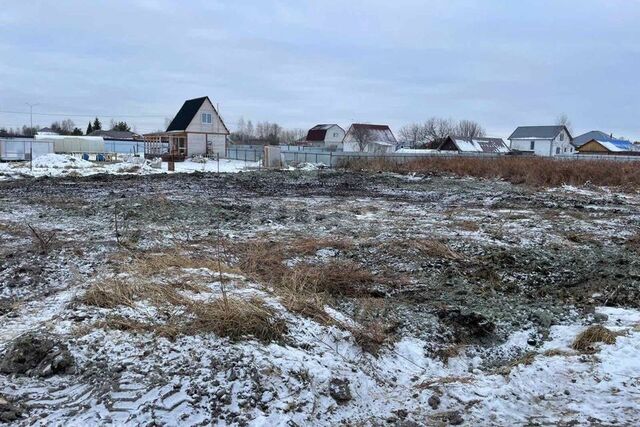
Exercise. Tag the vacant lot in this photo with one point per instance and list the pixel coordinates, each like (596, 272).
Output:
(319, 297)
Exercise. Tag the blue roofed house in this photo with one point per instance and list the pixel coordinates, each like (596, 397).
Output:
(579, 141)
(546, 141)
(609, 146)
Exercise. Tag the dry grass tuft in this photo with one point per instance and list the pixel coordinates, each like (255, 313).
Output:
(467, 225)
(526, 360)
(115, 293)
(311, 245)
(371, 336)
(231, 317)
(449, 352)
(436, 382)
(304, 286)
(585, 341)
(534, 171)
(556, 352)
(436, 248)
(155, 263)
(236, 319)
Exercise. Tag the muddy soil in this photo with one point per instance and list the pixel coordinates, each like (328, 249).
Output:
(456, 261)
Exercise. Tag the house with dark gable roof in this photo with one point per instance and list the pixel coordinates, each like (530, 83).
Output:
(197, 129)
(326, 135)
(548, 141)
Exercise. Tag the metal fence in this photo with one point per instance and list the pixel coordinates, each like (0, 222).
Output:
(248, 155)
(337, 158)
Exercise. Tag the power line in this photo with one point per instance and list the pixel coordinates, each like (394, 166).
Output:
(111, 116)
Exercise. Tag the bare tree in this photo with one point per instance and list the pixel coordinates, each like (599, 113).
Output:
(469, 129)
(413, 134)
(362, 135)
(563, 120)
(437, 130)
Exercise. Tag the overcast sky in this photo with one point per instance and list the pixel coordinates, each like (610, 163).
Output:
(503, 63)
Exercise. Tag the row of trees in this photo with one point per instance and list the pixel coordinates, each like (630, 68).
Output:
(434, 131)
(65, 127)
(268, 132)
(114, 125)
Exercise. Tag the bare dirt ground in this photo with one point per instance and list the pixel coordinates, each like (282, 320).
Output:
(356, 298)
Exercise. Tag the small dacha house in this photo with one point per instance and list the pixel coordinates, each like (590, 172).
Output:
(369, 139)
(197, 129)
(325, 135)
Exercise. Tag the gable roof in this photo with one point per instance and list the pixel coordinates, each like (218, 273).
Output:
(478, 144)
(579, 141)
(189, 109)
(380, 134)
(538, 132)
(318, 133)
(616, 145)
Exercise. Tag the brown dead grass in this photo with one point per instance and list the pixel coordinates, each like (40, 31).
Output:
(311, 245)
(306, 288)
(264, 260)
(467, 225)
(585, 341)
(436, 382)
(148, 264)
(557, 352)
(436, 249)
(534, 171)
(425, 247)
(233, 318)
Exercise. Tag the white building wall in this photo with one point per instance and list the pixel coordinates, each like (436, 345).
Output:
(217, 144)
(334, 137)
(562, 145)
(216, 125)
(351, 146)
(196, 144)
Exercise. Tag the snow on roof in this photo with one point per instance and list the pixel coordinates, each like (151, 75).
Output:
(480, 145)
(70, 138)
(617, 145)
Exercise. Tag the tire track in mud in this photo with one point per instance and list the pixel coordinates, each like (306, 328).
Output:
(34, 315)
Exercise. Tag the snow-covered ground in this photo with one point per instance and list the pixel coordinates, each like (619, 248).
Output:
(65, 165)
(206, 379)
(538, 265)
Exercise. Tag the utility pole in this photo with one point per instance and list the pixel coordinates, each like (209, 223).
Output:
(31, 130)
(31, 113)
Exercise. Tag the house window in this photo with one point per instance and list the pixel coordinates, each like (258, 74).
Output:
(533, 145)
(562, 136)
(335, 134)
(558, 150)
(206, 118)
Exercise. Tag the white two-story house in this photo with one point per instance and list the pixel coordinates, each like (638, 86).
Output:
(197, 129)
(548, 141)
